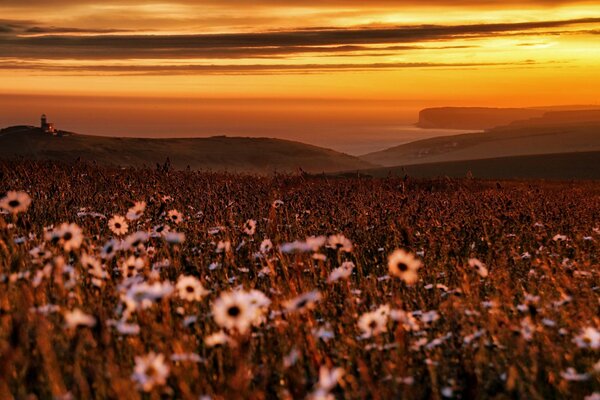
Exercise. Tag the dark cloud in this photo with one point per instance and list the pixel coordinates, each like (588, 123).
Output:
(297, 3)
(254, 69)
(236, 45)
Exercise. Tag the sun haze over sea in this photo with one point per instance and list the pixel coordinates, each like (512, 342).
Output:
(347, 75)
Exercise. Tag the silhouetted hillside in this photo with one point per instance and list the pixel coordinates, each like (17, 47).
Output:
(256, 155)
(504, 141)
(564, 166)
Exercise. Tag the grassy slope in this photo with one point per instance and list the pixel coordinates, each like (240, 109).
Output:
(500, 142)
(216, 153)
(584, 165)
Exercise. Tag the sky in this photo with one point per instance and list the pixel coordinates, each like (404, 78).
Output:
(344, 74)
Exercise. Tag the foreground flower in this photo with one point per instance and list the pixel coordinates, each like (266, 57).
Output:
(150, 371)
(189, 288)
(15, 202)
(266, 246)
(404, 265)
(136, 212)
(118, 225)
(589, 338)
(69, 236)
(375, 322)
(305, 301)
(342, 272)
(132, 266)
(236, 311)
(479, 267)
(339, 243)
(76, 318)
(175, 216)
(135, 240)
(250, 227)
(218, 339)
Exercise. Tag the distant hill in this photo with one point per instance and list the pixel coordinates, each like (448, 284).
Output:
(236, 154)
(565, 166)
(537, 137)
(482, 118)
(472, 117)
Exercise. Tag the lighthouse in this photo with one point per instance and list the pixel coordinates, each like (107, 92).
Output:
(47, 127)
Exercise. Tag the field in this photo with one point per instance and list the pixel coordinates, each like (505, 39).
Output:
(294, 287)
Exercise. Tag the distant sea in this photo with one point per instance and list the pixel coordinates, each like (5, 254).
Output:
(368, 140)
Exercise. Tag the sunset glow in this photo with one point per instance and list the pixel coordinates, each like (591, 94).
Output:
(444, 53)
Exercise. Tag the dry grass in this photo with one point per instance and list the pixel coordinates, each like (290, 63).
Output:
(527, 312)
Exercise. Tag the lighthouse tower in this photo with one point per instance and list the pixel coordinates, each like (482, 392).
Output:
(47, 127)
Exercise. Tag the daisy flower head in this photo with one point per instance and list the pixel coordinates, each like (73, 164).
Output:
(76, 318)
(303, 302)
(250, 227)
(218, 339)
(150, 370)
(479, 267)
(342, 272)
(339, 243)
(404, 265)
(15, 202)
(136, 239)
(136, 212)
(589, 338)
(109, 249)
(175, 216)
(160, 230)
(118, 225)
(189, 288)
(132, 266)
(233, 311)
(266, 246)
(375, 322)
(70, 236)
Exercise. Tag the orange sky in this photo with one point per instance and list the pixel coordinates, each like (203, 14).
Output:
(250, 55)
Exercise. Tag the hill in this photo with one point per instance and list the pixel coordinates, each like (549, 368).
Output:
(508, 141)
(235, 154)
(472, 117)
(486, 118)
(565, 166)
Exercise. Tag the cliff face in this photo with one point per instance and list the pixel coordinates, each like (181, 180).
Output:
(473, 117)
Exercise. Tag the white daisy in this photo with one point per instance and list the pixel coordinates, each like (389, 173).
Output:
(118, 225)
(404, 265)
(70, 236)
(76, 318)
(375, 322)
(342, 272)
(589, 338)
(305, 301)
(132, 266)
(479, 267)
(234, 312)
(15, 202)
(250, 227)
(150, 371)
(189, 288)
(218, 339)
(175, 216)
(136, 212)
(266, 246)
(339, 243)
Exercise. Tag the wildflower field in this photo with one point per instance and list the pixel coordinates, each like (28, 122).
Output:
(149, 283)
